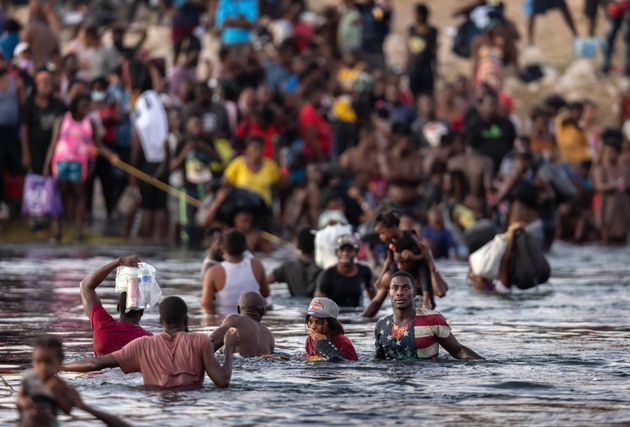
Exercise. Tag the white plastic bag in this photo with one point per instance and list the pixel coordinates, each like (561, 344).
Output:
(486, 261)
(142, 289)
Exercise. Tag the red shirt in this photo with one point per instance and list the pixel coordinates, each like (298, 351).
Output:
(111, 335)
(342, 342)
(309, 117)
(268, 134)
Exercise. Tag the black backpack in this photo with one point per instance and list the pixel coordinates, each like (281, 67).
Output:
(528, 266)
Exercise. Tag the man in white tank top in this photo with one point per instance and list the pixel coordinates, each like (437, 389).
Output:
(224, 283)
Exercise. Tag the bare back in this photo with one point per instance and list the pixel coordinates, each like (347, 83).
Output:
(255, 338)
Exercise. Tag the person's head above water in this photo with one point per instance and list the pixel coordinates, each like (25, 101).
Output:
(235, 243)
(321, 316)
(402, 291)
(174, 313)
(306, 241)
(131, 316)
(386, 224)
(251, 304)
(47, 356)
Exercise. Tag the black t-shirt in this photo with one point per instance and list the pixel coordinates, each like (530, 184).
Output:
(300, 277)
(421, 47)
(345, 291)
(494, 138)
(214, 119)
(40, 123)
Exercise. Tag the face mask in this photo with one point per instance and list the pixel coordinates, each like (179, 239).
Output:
(98, 96)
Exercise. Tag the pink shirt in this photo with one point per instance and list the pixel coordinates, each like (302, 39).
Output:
(166, 361)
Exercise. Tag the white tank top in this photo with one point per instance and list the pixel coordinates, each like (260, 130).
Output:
(239, 279)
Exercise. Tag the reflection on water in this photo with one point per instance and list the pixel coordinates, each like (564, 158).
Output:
(555, 355)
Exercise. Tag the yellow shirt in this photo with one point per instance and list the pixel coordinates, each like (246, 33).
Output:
(572, 142)
(239, 175)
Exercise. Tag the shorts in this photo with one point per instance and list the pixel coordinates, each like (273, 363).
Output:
(540, 7)
(69, 171)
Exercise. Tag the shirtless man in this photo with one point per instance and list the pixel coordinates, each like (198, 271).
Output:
(401, 167)
(256, 338)
(478, 169)
(361, 160)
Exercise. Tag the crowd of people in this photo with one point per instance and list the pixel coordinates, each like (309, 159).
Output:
(301, 129)
(299, 117)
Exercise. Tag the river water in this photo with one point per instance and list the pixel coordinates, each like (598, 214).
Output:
(555, 355)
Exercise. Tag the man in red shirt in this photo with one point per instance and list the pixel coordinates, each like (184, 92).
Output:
(110, 335)
(174, 358)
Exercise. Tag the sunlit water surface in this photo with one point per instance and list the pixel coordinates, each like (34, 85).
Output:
(556, 355)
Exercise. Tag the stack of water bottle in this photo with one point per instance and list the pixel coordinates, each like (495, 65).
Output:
(140, 285)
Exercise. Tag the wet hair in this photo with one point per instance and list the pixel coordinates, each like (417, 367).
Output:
(173, 311)
(422, 10)
(401, 273)
(306, 241)
(612, 137)
(76, 102)
(50, 342)
(388, 218)
(334, 326)
(406, 242)
(235, 243)
(122, 307)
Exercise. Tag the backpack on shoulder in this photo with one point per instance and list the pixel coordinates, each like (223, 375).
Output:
(528, 266)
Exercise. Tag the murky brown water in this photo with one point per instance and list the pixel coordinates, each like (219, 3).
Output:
(556, 355)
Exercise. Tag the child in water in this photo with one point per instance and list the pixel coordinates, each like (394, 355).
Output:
(43, 393)
(326, 339)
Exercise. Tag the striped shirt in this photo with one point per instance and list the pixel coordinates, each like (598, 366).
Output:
(416, 340)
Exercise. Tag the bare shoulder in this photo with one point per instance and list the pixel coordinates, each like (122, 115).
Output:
(231, 320)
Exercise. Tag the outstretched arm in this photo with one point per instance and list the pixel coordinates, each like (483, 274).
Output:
(91, 282)
(92, 364)
(457, 350)
(221, 375)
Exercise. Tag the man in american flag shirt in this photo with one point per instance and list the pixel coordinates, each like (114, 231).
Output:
(411, 334)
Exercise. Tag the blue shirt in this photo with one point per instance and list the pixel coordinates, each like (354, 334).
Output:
(232, 9)
(8, 42)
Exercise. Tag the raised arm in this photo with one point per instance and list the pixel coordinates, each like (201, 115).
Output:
(221, 375)
(91, 364)
(90, 283)
(457, 350)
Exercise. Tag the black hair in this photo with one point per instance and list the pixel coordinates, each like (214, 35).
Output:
(406, 242)
(422, 10)
(173, 311)
(50, 342)
(102, 81)
(460, 184)
(388, 217)
(12, 26)
(235, 243)
(401, 129)
(306, 241)
(92, 31)
(334, 326)
(401, 273)
(438, 167)
(139, 74)
(612, 137)
(212, 231)
(254, 139)
(76, 101)
(122, 307)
